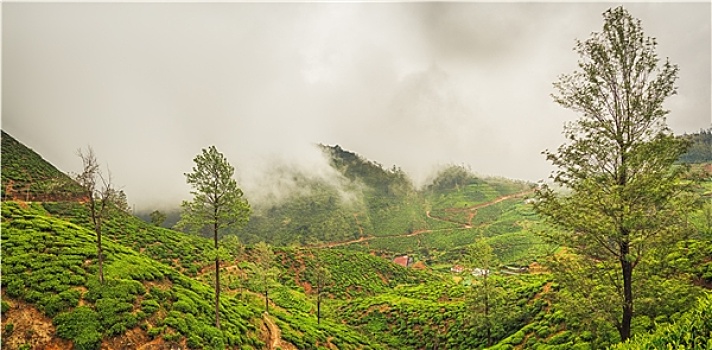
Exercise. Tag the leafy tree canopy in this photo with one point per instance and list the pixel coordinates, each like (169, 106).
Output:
(625, 197)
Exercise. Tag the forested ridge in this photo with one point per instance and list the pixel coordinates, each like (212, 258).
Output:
(700, 150)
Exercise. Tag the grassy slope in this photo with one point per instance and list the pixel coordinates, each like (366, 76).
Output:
(50, 264)
(25, 175)
(181, 251)
(437, 314)
(692, 331)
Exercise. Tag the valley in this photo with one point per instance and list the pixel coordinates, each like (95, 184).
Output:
(331, 282)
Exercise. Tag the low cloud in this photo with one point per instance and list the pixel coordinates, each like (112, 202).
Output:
(416, 85)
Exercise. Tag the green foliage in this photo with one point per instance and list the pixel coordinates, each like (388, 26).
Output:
(81, 326)
(413, 317)
(368, 302)
(173, 248)
(700, 150)
(45, 258)
(352, 273)
(318, 213)
(29, 177)
(371, 200)
(217, 203)
(692, 331)
(157, 218)
(624, 195)
(115, 315)
(149, 306)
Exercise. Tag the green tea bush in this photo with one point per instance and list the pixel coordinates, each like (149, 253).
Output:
(153, 332)
(195, 342)
(692, 331)
(81, 326)
(149, 306)
(15, 286)
(115, 315)
(120, 289)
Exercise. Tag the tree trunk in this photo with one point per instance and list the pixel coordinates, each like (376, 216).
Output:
(266, 300)
(96, 219)
(626, 263)
(627, 269)
(487, 307)
(100, 252)
(318, 305)
(217, 277)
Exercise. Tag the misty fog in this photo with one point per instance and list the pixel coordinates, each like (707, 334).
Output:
(417, 85)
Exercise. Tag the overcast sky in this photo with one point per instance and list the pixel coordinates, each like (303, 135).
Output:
(417, 85)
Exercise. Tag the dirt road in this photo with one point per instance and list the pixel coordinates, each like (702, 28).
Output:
(473, 210)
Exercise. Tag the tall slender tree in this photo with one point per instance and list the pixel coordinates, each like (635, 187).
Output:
(323, 279)
(487, 303)
(622, 194)
(217, 206)
(265, 269)
(157, 218)
(100, 194)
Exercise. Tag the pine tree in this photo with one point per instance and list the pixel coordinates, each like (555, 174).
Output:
(217, 204)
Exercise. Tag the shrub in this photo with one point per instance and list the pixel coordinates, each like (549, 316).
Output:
(9, 327)
(184, 306)
(516, 338)
(52, 305)
(123, 290)
(213, 337)
(560, 338)
(543, 331)
(171, 336)
(81, 325)
(176, 321)
(195, 342)
(115, 315)
(15, 288)
(155, 331)
(149, 306)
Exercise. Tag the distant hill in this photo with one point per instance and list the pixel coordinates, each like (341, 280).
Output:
(381, 202)
(370, 202)
(700, 150)
(384, 213)
(27, 176)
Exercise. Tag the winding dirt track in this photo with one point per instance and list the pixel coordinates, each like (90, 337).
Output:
(473, 211)
(275, 334)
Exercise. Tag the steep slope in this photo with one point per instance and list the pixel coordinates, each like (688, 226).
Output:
(184, 252)
(50, 265)
(52, 299)
(368, 200)
(50, 285)
(27, 176)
